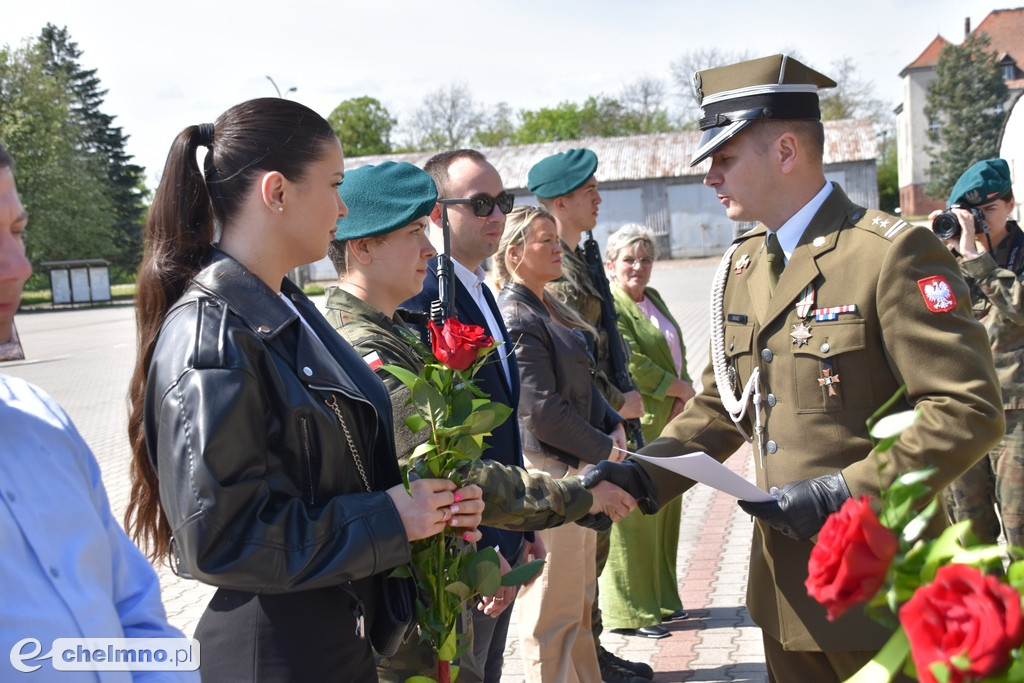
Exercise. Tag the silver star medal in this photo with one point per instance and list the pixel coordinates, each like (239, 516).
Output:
(800, 334)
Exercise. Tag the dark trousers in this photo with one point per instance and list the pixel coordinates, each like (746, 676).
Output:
(301, 636)
(484, 664)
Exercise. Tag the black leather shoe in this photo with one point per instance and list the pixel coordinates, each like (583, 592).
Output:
(643, 632)
(678, 615)
(610, 663)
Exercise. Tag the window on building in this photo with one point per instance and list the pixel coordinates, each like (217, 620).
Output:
(1009, 72)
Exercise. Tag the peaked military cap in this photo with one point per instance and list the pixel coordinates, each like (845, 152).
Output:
(384, 198)
(560, 174)
(982, 183)
(731, 97)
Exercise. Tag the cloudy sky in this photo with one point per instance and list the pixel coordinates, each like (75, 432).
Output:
(171, 64)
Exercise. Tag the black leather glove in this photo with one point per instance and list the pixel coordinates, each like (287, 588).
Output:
(629, 476)
(801, 507)
(598, 522)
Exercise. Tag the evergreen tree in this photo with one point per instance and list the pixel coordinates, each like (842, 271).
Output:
(966, 100)
(63, 187)
(104, 143)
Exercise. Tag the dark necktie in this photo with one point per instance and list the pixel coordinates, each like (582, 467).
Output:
(776, 261)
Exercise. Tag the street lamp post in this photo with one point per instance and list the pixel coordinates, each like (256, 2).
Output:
(278, 90)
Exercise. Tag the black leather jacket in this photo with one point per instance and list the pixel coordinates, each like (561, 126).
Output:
(260, 487)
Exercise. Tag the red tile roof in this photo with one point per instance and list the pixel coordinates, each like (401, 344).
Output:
(930, 56)
(1005, 29)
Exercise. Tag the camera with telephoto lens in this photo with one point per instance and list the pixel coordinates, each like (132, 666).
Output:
(947, 226)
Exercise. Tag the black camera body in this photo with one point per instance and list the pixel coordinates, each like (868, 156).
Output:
(947, 226)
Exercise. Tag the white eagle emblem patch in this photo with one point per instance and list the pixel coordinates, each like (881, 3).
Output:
(938, 295)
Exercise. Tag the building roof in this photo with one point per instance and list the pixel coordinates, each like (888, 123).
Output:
(1005, 29)
(642, 157)
(928, 58)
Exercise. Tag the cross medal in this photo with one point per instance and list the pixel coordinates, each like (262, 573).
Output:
(829, 380)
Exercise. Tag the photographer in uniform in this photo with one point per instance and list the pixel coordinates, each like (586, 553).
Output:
(990, 249)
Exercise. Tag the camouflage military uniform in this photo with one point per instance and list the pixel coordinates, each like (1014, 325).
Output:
(516, 499)
(997, 481)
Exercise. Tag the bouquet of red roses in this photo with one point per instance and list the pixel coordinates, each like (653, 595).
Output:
(448, 571)
(956, 614)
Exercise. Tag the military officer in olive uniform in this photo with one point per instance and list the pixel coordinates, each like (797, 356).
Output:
(380, 253)
(822, 312)
(991, 257)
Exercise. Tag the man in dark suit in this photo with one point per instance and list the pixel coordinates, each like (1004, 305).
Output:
(476, 228)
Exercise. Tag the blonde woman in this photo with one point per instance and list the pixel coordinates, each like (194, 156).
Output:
(565, 424)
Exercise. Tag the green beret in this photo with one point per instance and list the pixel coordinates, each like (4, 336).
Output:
(982, 183)
(733, 96)
(560, 174)
(384, 198)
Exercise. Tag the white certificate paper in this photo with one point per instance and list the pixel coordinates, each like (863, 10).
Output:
(705, 469)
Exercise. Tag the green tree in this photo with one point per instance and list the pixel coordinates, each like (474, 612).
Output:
(966, 101)
(598, 116)
(549, 124)
(104, 142)
(888, 180)
(364, 126)
(498, 128)
(63, 184)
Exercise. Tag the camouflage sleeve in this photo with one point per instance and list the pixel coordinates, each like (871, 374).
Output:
(518, 500)
(1002, 287)
(406, 440)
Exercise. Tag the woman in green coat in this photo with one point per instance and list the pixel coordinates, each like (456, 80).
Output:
(638, 587)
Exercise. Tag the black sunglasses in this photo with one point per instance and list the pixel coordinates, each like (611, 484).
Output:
(483, 204)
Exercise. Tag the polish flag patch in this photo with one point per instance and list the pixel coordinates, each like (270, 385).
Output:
(373, 360)
(938, 295)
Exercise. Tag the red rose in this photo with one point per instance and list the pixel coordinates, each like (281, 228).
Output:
(457, 345)
(851, 558)
(964, 615)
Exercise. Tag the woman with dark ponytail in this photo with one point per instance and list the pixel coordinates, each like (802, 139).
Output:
(263, 454)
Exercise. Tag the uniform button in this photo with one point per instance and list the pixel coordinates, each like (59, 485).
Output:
(771, 446)
(54, 572)
(10, 495)
(825, 348)
(771, 400)
(731, 346)
(307, 371)
(263, 329)
(767, 355)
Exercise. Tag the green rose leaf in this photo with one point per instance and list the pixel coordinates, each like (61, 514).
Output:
(523, 573)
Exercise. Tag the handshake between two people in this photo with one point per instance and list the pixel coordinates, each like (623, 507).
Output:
(621, 484)
(799, 510)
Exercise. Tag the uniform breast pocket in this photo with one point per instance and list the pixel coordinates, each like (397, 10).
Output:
(830, 371)
(739, 340)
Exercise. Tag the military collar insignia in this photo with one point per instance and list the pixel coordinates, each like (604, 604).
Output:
(741, 264)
